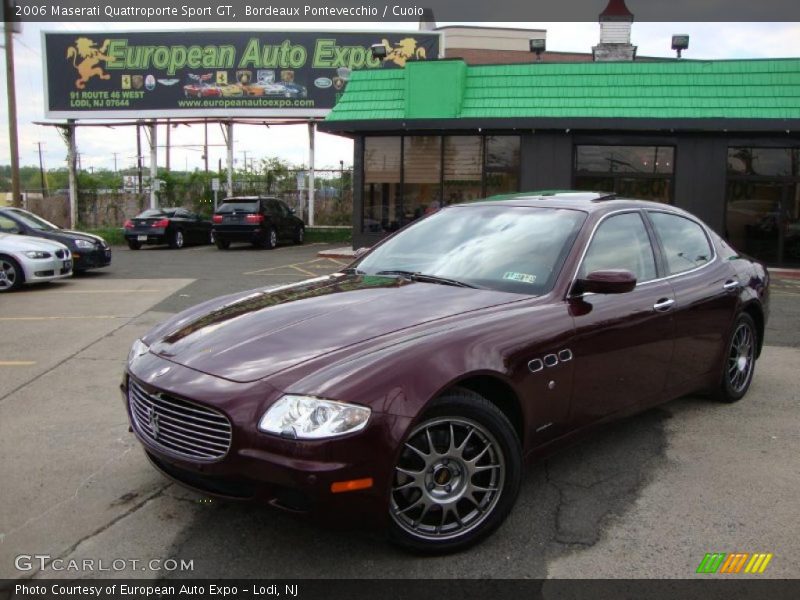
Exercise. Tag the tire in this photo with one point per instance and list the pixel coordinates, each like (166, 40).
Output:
(300, 235)
(134, 244)
(271, 240)
(222, 244)
(176, 240)
(449, 497)
(11, 274)
(740, 361)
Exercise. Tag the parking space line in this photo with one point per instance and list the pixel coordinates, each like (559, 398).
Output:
(17, 363)
(297, 266)
(64, 318)
(107, 291)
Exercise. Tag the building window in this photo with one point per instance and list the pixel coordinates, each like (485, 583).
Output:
(762, 216)
(502, 164)
(382, 160)
(422, 175)
(463, 168)
(407, 177)
(634, 171)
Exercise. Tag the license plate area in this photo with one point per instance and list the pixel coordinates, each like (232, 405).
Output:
(141, 238)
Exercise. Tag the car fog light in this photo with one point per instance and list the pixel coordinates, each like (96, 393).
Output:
(310, 418)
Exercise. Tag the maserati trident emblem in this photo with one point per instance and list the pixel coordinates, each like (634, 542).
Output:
(152, 421)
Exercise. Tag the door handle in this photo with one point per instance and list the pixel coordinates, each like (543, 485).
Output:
(664, 304)
(731, 285)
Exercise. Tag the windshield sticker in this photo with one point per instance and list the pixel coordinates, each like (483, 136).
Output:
(521, 277)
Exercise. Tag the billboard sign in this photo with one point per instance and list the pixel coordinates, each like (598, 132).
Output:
(213, 73)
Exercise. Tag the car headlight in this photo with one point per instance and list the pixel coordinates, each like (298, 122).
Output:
(84, 244)
(37, 254)
(138, 349)
(309, 418)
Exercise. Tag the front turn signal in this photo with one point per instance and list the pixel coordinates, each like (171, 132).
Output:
(351, 486)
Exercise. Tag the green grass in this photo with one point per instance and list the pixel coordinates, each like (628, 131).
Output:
(331, 236)
(113, 235)
(116, 237)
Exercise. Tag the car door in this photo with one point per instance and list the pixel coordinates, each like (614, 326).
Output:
(706, 300)
(287, 221)
(623, 342)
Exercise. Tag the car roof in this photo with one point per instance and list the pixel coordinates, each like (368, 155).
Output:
(590, 202)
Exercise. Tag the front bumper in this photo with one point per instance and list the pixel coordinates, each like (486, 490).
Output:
(91, 259)
(48, 269)
(293, 475)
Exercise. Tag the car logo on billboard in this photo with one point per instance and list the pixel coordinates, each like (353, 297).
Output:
(323, 82)
(168, 81)
(150, 83)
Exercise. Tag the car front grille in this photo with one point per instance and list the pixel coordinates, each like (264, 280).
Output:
(177, 426)
(59, 254)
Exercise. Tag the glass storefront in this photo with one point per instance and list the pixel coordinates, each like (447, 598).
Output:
(762, 216)
(406, 177)
(633, 171)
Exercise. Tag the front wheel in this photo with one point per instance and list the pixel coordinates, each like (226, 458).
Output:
(11, 275)
(740, 360)
(457, 476)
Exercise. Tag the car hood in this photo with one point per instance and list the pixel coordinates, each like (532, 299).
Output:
(66, 235)
(250, 336)
(22, 243)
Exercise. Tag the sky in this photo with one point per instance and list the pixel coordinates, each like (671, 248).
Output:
(290, 142)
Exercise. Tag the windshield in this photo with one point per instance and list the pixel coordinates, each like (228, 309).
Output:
(505, 248)
(33, 221)
(250, 206)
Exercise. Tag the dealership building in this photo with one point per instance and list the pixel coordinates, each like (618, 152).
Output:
(719, 138)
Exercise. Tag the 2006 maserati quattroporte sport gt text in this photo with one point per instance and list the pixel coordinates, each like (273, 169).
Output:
(409, 388)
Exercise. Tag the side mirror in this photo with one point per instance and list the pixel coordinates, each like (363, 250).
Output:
(292, 211)
(605, 282)
(361, 251)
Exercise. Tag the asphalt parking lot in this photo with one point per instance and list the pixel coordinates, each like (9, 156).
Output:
(647, 497)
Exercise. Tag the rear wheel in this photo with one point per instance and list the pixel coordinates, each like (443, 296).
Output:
(457, 477)
(134, 244)
(176, 241)
(300, 235)
(271, 239)
(11, 275)
(740, 360)
(222, 244)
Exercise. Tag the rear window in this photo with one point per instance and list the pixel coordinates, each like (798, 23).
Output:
(155, 212)
(230, 207)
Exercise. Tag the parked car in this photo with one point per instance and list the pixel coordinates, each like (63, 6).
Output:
(27, 259)
(408, 389)
(88, 251)
(175, 227)
(263, 222)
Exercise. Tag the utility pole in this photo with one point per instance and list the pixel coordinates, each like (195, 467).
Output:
(245, 159)
(16, 196)
(167, 158)
(41, 171)
(115, 160)
(139, 156)
(205, 142)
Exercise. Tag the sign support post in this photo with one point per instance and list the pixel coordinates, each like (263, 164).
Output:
(73, 176)
(153, 165)
(312, 127)
(228, 133)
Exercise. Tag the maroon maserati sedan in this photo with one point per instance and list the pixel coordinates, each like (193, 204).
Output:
(408, 389)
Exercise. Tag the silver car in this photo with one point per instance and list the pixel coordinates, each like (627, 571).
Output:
(26, 259)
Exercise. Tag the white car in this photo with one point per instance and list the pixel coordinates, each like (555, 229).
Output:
(26, 259)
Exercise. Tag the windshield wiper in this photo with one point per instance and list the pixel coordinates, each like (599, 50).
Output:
(416, 276)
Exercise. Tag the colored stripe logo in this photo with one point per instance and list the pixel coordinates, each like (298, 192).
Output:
(735, 562)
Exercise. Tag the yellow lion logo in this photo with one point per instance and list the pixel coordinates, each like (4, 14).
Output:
(91, 55)
(405, 50)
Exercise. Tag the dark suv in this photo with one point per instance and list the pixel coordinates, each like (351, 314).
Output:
(262, 222)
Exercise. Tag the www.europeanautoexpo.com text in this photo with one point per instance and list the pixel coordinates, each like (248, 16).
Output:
(227, 11)
(98, 590)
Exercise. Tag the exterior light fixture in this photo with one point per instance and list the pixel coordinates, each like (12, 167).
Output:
(378, 51)
(680, 43)
(538, 46)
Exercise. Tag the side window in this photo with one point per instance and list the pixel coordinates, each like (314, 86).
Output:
(621, 242)
(685, 242)
(283, 208)
(8, 226)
